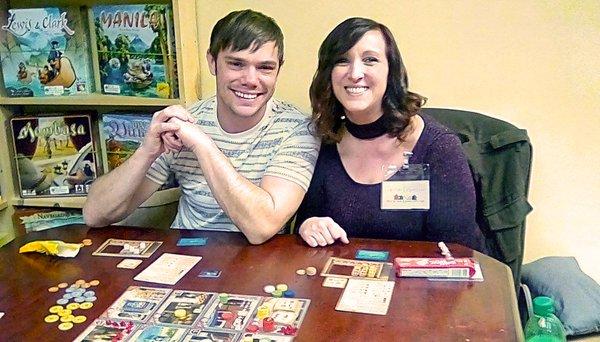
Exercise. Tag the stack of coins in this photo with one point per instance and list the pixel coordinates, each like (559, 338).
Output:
(75, 297)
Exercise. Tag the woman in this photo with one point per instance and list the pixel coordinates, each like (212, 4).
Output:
(368, 119)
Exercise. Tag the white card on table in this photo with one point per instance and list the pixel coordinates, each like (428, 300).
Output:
(129, 263)
(366, 296)
(335, 282)
(168, 268)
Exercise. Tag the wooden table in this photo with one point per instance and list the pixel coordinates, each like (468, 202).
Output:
(421, 310)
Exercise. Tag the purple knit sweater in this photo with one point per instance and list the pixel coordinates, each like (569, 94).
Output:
(356, 207)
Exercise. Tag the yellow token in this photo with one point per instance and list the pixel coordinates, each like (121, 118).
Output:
(180, 313)
(56, 308)
(67, 318)
(53, 289)
(79, 319)
(301, 271)
(86, 305)
(281, 287)
(86, 242)
(51, 318)
(73, 306)
(65, 326)
(85, 285)
(62, 285)
(80, 281)
(95, 282)
(64, 312)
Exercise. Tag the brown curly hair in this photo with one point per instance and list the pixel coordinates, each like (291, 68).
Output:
(399, 104)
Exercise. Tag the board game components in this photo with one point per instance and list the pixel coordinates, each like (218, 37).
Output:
(435, 267)
(127, 248)
(350, 268)
(168, 268)
(75, 298)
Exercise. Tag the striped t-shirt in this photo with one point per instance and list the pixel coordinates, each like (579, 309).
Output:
(279, 145)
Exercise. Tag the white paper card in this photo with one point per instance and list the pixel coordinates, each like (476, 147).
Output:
(335, 282)
(405, 195)
(168, 268)
(366, 296)
(129, 263)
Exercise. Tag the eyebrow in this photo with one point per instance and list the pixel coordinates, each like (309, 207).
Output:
(237, 59)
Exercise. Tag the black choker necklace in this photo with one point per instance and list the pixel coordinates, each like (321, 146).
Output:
(371, 130)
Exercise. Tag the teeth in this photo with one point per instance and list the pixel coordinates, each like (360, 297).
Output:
(245, 96)
(356, 90)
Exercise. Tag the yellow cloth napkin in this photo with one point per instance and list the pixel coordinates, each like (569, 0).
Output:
(59, 248)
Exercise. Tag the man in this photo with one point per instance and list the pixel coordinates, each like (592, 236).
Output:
(242, 159)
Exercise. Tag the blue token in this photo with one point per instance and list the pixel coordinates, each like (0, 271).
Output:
(289, 294)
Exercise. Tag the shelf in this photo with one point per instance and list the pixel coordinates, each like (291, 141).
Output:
(157, 199)
(3, 204)
(90, 100)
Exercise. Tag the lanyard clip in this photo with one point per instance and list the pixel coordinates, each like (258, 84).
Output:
(407, 156)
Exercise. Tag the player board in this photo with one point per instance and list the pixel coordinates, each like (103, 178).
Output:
(205, 335)
(127, 248)
(183, 308)
(350, 268)
(234, 314)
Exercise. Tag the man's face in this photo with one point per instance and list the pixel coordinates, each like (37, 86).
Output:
(245, 82)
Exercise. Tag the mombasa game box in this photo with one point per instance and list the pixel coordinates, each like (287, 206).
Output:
(44, 52)
(54, 155)
(136, 50)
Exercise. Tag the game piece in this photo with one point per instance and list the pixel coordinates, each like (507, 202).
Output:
(127, 248)
(79, 282)
(62, 301)
(65, 326)
(263, 311)
(289, 294)
(95, 282)
(73, 306)
(137, 303)
(301, 271)
(51, 318)
(129, 263)
(107, 330)
(86, 305)
(86, 242)
(53, 289)
(252, 328)
(68, 318)
(311, 271)
(79, 319)
(350, 268)
(364, 254)
(182, 308)
(289, 330)
(282, 287)
(283, 312)
(55, 308)
(223, 298)
(268, 324)
(168, 268)
(211, 335)
(335, 282)
(210, 274)
(269, 289)
(184, 242)
(366, 296)
(62, 285)
(180, 313)
(241, 308)
(277, 293)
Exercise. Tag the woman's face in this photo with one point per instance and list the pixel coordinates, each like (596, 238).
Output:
(359, 78)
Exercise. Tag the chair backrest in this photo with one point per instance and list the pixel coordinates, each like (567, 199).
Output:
(499, 156)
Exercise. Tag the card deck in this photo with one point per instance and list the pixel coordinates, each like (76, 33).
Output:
(364, 254)
(184, 242)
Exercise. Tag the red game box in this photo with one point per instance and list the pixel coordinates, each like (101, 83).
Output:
(435, 267)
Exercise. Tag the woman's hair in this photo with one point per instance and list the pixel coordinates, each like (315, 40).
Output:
(398, 103)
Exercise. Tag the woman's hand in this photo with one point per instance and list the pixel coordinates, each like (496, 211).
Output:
(322, 231)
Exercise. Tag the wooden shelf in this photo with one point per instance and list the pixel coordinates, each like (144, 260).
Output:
(157, 199)
(89, 100)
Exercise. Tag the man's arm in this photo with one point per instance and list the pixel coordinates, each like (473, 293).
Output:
(114, 196)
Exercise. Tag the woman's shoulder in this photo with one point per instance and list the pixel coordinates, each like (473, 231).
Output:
(438, 139)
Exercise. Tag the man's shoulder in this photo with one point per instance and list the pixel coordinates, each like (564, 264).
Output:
(285, 113)
(202, 106)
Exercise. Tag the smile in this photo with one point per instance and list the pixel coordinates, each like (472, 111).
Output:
(356, 90)
(245, 95)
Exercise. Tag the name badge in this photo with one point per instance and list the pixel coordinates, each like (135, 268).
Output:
(407, 189)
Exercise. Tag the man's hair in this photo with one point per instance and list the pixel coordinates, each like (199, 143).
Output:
(245, 29)
(398, 103)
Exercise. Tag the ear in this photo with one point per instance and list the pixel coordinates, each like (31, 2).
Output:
(212, 63)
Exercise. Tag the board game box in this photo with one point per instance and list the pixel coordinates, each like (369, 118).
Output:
(136, 50)
(120, 135)
(44, 52)
(55, 155)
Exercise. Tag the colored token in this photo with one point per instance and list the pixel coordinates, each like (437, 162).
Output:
(65, 326)
(79, 319)
(62, 301)
(79, 299)
(51, 318)
(64, 312)
(277, 293)
(262, 312)
(268, 324)
(68, 318)
(253, 328)
(90, 299)
(269, 288)
(79, 282)
(53, 289)
(311, 271)
(180, 313)
(282, 287)
(73, 306)
(95, 282)
(223, 298)
(86, 242)
(86, 305)
(227, 315)
(301, 271)
(62, 285)
(289, 294)
(56, 308)
(89, 294)
(86, 285)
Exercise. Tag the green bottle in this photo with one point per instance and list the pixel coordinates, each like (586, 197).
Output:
(544, 326)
